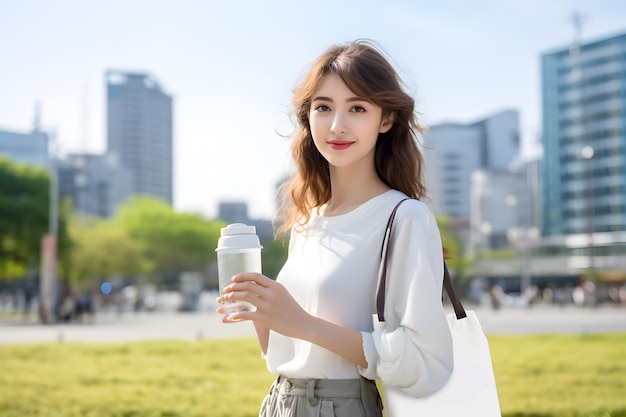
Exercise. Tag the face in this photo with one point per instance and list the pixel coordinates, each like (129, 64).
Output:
(345, 126)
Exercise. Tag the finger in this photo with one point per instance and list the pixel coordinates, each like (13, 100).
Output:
(226, 314)
(246, 286)
(244, 296)
(260, 279)
(239, 317)
(226, 319)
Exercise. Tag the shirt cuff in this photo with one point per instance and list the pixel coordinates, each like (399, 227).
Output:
(371, 356)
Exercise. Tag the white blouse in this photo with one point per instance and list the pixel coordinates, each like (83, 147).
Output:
(332, 272)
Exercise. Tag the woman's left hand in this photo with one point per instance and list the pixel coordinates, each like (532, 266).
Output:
(276, 309)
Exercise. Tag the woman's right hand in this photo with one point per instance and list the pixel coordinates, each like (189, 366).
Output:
(276, 309)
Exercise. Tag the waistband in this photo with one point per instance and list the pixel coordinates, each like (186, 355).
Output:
(312, 389)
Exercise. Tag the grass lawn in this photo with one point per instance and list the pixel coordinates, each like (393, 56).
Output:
(536, 376)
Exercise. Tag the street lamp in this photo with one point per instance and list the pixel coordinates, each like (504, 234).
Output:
(48, 280)
(586, 154)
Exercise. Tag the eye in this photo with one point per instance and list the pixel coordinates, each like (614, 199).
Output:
(322, 107)
(358, 109)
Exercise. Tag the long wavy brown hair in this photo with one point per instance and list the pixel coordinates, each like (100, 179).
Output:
(398, 159)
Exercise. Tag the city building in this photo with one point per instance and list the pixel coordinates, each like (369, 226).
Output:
(454, 151)
(233, 211)
(499, 206)
(96, 184)
(29, 148)
(584, 139)
(139, 131)
(584, 162)
(237, 212)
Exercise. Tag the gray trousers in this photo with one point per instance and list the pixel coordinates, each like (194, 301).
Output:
(290, 397)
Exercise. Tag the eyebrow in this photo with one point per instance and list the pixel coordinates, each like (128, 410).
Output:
(351, 99)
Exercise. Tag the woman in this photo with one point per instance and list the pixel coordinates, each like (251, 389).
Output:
(356, 157)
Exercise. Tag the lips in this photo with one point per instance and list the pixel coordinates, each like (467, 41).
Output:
(339, 145)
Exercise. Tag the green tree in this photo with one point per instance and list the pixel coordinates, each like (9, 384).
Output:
(102, 250)
(24, 217)
(172, 242)
(457, 261)
(274, 255)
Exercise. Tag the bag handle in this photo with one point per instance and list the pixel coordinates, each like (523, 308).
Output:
(382, 276)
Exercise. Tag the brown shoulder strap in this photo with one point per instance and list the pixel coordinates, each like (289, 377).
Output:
(382, 275)
(382, 271)
(454, 299)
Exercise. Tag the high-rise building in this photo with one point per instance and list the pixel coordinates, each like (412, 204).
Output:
(139, 131)
(30, 148)
(453, 151)
(584, 138)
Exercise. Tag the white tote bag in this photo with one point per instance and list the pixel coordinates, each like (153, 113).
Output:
(471, 389)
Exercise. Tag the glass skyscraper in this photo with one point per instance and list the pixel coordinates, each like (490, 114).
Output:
(139, 123)
(584, 139)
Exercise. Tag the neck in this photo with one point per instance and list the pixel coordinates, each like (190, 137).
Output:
(350, 189)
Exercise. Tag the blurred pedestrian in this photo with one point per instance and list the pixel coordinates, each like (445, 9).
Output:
(496, 295)
(67, 307)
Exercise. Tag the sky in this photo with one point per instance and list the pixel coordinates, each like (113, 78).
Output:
(231, 65)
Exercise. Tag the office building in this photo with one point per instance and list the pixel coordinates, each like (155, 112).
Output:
(454, 151)
(96, 184)
(139, 131)
(28, 148)
(584, 139)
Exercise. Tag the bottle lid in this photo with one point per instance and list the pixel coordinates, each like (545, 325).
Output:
(237, 237)
(238, 229)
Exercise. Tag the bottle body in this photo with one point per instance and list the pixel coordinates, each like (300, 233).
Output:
(233, 263)
(238, 250)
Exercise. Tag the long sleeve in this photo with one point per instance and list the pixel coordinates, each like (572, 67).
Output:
(414, 352)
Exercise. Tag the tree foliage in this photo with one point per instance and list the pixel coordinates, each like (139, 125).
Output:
(455, 256)
(146, 238)
(173, 242)
(24, 217)
(274, 257)
(101, 250)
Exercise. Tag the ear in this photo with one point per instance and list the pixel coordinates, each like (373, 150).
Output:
(387, 123)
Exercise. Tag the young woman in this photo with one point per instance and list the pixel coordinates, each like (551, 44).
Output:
(356, 157)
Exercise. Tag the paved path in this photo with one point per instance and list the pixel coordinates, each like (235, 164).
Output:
(207, 324)
(565, 320)
(128, 327)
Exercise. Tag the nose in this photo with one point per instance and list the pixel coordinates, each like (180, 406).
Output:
(338, 126)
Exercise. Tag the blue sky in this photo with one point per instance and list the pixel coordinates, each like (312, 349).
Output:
(230, 66)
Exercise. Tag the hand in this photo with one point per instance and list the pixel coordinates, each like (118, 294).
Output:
(276, 309)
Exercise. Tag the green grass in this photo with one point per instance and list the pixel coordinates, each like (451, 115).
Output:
(172, 378)
(561, 376)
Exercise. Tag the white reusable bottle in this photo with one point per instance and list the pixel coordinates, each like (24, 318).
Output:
(238, 250)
